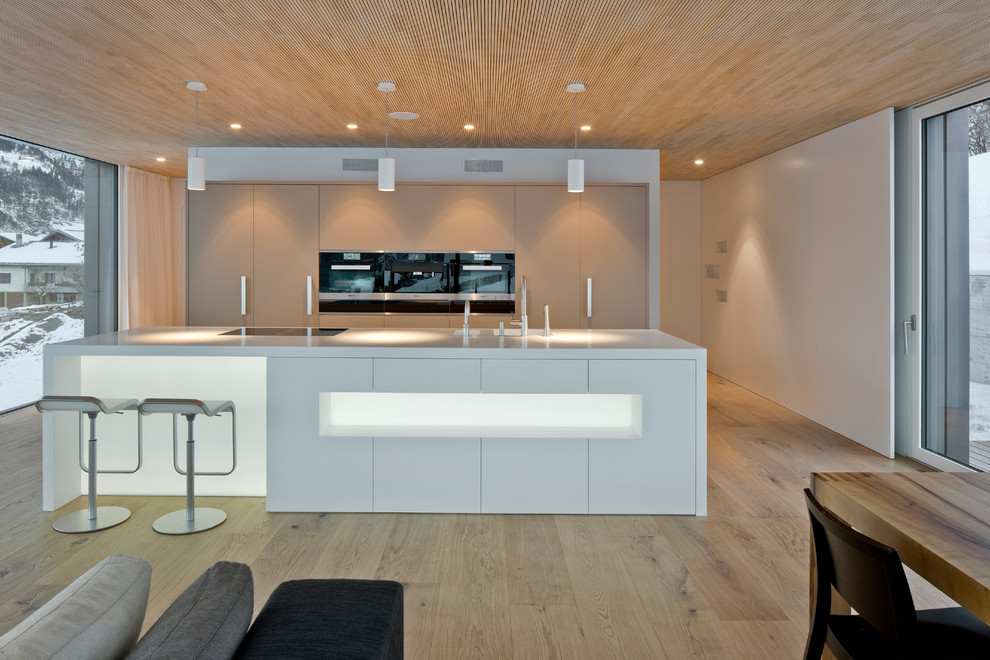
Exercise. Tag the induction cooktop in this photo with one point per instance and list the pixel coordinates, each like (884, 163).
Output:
(285, 332)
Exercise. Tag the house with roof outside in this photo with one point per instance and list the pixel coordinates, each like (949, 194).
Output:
(42, 270)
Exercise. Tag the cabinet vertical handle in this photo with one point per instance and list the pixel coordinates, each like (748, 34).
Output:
(309, 295)
(589, 297)
(243, 295)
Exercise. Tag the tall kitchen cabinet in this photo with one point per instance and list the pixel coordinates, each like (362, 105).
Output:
(267, 234)
(613, 255)
(221, 251)
(548, 253)
(562, 239)
(286, 255)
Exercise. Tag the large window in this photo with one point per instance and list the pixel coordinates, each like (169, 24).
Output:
(956, 285)
(49, 225)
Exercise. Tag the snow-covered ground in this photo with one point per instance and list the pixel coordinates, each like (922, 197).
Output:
(979, 214)
(22, 340)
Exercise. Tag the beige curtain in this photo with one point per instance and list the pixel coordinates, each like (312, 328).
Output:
(145, 264)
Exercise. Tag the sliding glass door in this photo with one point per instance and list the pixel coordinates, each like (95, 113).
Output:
(955, 285)
(57, 258)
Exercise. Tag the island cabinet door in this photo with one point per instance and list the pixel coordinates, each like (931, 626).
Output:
(657, 472)
(433, 466)
(286, 255)
(221, 255)
(309, 469)
(537, 473)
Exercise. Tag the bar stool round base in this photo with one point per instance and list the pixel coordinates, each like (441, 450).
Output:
(176, 523)
(79, 522)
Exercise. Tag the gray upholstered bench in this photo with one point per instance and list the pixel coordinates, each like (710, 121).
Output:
(100, 616)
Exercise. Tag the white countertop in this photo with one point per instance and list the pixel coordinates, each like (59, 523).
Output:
(380, 342)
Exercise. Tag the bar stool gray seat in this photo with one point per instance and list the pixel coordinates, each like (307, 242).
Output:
(191, 519)
(93, 518)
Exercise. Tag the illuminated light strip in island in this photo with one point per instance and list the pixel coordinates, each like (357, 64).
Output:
(456, 414)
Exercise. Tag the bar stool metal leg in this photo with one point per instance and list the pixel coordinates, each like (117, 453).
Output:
(192, 519)
(94, 517)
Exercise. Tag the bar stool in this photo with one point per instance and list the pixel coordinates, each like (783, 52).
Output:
(93, 518)
(191, 519)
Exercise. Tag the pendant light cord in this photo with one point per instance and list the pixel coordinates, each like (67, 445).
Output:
(197, 124)
(575, 125)
(386, 123)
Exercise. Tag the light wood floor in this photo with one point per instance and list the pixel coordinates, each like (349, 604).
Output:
(732, 585)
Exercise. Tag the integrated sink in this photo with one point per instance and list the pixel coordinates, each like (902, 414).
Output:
(285, 332)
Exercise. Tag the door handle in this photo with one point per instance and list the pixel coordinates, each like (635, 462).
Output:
(309, 295)
(243, 295)
(913, 324)
(589, 302)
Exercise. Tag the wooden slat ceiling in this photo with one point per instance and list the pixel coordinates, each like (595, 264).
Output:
(723, 80)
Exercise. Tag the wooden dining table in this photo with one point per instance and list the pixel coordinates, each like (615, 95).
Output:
(939, 522)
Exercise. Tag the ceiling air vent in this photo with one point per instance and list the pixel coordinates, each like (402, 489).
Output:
(360, 164)
(483, 166)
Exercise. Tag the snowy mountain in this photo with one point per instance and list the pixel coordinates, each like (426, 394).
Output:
(40, 189)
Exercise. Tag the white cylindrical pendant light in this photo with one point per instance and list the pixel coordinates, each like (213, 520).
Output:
(575, 166)
(196, 174)
(386, 174)
(196, 168)
(386, 165)
(575, 175)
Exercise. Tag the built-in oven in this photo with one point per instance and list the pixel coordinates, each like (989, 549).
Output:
(487, 279)
(352, 281)
(417, 282)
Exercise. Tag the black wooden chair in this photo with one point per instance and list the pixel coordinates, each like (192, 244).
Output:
(870, 577)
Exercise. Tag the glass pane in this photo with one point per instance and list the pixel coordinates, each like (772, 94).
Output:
(42, 237)
(956, 366)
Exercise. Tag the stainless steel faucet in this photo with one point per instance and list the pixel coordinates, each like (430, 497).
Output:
(467, 314)
(523, 321)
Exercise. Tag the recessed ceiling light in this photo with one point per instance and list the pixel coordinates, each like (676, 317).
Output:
(586, 128)
(699, 162)
(403, 115)
(352, 126)
(468, 127)
(235, 126)
(161, 159)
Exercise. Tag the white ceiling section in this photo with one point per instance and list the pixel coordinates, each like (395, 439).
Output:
(723, 80)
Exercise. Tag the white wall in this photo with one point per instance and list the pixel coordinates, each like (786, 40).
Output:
(808, 273)
(446, 165)
(680, 259)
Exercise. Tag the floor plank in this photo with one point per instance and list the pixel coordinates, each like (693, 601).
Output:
(731, 585)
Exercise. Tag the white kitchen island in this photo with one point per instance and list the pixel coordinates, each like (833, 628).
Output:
(602, 421)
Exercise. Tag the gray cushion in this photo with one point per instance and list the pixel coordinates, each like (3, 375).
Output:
(97, 616)
(207, 620)
(340, 619)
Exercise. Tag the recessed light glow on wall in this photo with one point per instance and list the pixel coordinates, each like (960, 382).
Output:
(586, 128)
(699, 162)
(160, 159)
(468, 127)
(235, 126)
(352, 126)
